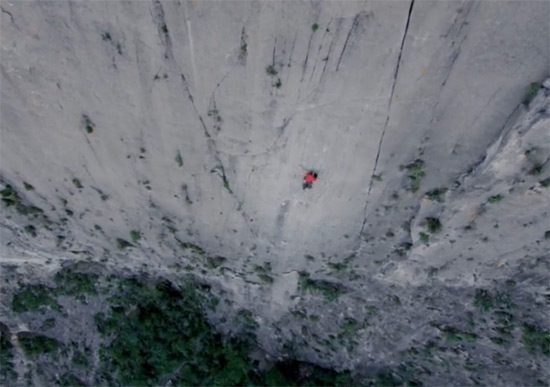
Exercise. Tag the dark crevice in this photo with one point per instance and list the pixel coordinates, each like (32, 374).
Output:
(243, 50)
(9, 14)
(160, 20)
(219, 169)
(186, 194)
(327, 58)
(292, 50)
(452, 60)
(390, 101)
(352, 28)
(190, 96)
(273, 53)
(304, 66)
(319, 50)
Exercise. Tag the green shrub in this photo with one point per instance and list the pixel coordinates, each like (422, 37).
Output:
(270, 70)
(79, 360)
(135, 235)
(123, 244)
(7, 368)
(349, 327)
(436, 194)
(77, 183)
(531, 92)
(9, 196)
(245, 318)
(194, 248)
(494, 199)
(215, 262)
(315, 27)
(179, 159)
(330, 290)
(31, 230)
(89, 126)
(483, 300)
(433, 224)
(415, 173)
(536, 339)
(72, 283)
(49, 323)
(34, 297)
(69, 380)
(424, 238)
(34, 344)
(456, 335)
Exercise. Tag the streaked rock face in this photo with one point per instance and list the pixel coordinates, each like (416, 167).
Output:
(173, 136)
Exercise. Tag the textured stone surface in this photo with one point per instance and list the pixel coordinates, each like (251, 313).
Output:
(192, 124)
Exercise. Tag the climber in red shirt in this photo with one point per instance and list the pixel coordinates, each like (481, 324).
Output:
(309, 178)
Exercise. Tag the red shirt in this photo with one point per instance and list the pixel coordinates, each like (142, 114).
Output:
(309, 178)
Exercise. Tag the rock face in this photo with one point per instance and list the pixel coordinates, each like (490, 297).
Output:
(172, 137)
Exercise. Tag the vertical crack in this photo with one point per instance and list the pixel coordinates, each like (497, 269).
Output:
(219, 168)
(304, 65)
(243, 50)
(160, 20)
(390, 101)
(353, 26)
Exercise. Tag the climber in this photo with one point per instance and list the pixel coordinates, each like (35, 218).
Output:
(309, 178)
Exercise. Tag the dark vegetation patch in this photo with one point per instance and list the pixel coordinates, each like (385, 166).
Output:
(31, 230)
(215, 262)
(34, 344)
(193, 247)
(294, 373)
(270, 70)
(179, 159)
(328, 289)
(157, 334)
(436, 194)
(135, 235)
(483, 300)
(70, 380)
(415, 173)
(72, 283)
(494, 199)
(10, 197)
(87, 123)
(48, 324)
(424, 238)
(433, 225)
(77, 183)
(123, 244)
(34, 298)
(154, 332)
(531, 92)
(7, 367)
(536, 339)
